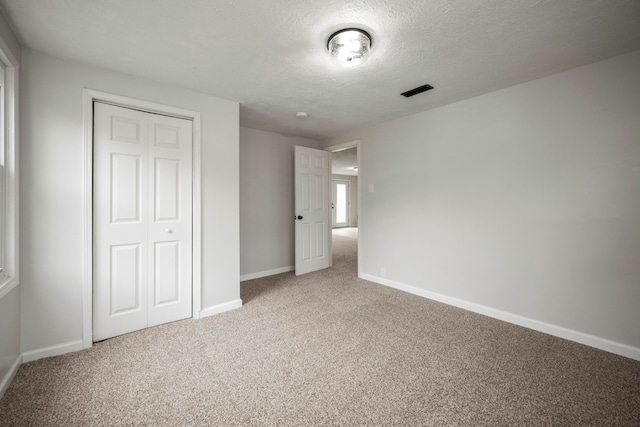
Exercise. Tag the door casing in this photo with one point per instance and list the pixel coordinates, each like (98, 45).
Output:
(89, 97)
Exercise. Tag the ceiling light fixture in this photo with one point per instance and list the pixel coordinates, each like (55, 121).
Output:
(349, 47)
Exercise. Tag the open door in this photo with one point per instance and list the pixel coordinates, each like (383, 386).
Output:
(311, 216)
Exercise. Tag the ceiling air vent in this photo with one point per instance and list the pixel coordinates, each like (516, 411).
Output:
(416, 91)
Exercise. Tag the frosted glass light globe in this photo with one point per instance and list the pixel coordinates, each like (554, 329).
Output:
(349, 47)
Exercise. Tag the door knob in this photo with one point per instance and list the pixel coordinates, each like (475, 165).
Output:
(168, 230)
(299, 216)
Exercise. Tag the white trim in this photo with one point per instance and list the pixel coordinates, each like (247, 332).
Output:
(267, 273)
(196, 276)
(558, 331)
(345, 146)
(7, 287)
(87, 286)
(10, 375)
(89, 96)
(330, 211)
(221, 308)
(12, 200)
(54, 350)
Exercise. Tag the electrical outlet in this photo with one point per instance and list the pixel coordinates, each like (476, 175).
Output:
(370, 188)
(383, 272)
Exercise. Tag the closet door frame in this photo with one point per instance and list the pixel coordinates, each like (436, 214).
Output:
(89, 97)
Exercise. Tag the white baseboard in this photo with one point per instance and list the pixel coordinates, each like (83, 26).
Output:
(221, 308)
(558, 331)
(266, 273)
(54, 350)
(10, 375)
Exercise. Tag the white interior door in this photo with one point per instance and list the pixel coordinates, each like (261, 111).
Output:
(312, 175)
(340, 203)
(142, 203)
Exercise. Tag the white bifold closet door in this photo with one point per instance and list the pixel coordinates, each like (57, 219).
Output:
(142, 220)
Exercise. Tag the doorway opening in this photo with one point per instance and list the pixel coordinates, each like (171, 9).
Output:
(345, 206)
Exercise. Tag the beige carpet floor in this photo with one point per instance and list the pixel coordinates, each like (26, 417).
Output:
(329, 349)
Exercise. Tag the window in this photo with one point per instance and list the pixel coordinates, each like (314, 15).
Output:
(2, 173)
(8, 170)
(341, 203)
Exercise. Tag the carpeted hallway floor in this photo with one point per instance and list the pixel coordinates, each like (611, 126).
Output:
(329, 349)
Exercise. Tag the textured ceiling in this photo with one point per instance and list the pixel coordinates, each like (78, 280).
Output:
(271, 55)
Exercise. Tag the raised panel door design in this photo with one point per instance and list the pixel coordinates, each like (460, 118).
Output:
(312, 210)
(166, 136)
(304, 160)
(125, 278)
(167, 273)
(142, 206)
(170, 230)
(126, 129)
(305, 230)
(125, 188)
(305, 194)
(319, 239)
(319, 193)
(167, 190)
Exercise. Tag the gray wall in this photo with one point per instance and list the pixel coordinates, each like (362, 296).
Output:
(353, 197)
(266, 200)
(52, 191)
(9, 38)
(9, 303)
(525, 200)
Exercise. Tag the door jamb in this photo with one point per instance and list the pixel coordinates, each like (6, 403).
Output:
(339, 147)
(89, 96)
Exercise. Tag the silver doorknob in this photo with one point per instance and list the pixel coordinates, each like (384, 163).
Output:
(168, 230)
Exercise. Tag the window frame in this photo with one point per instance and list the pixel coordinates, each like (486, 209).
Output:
(9, 277)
